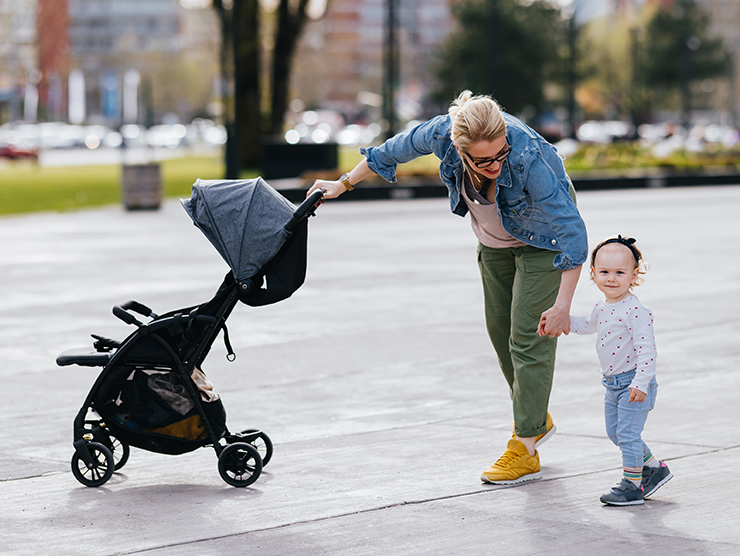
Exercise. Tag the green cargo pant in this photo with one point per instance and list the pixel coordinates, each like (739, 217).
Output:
(519, 284)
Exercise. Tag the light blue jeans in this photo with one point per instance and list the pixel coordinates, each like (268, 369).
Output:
(625, 421)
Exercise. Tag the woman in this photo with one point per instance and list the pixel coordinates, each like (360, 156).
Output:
(532, 243)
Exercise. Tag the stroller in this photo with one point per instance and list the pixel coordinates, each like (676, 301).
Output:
(152, 393)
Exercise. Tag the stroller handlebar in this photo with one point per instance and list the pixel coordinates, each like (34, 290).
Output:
(306, 209)
(181, 320)
(122, 312)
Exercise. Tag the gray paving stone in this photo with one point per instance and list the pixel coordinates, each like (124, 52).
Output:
(378, 386)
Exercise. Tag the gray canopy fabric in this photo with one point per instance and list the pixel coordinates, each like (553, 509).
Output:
(243, 219)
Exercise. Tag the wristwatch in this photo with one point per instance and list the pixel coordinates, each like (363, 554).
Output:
(345, 180)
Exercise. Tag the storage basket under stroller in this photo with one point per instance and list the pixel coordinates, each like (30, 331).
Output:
(152, 393)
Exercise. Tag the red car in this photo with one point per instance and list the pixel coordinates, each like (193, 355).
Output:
(17, 153)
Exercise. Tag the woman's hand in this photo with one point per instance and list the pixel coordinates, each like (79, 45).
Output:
(332, 189)
(554, 322)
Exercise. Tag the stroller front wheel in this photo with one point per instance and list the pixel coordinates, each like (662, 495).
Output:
(99, 470)
(239, 464)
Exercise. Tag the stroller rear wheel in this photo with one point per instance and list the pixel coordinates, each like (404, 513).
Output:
(261, 442)
(120, 452)
(118, 448)
(99, 470)
(239, 464)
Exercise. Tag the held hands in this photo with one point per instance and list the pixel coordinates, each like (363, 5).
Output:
(636, 396)
(554, 322)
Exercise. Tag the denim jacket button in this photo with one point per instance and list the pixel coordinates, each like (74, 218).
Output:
(531, 238)
(554, 241)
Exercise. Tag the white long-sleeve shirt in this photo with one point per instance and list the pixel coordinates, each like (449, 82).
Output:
(625, 338)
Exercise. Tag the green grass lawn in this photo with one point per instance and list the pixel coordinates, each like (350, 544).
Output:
(26, 187)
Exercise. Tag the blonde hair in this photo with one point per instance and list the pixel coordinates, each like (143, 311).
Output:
(475, 119)
(629, 243)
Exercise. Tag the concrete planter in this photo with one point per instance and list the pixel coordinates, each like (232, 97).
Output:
(141, 186)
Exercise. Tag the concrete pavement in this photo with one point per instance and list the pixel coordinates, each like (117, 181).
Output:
(378, 386)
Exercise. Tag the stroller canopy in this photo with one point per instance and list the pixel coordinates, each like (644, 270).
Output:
(243, 219)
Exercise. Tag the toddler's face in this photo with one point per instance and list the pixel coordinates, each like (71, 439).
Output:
(614, 271)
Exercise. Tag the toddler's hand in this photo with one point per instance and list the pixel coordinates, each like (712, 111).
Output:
(636, 395)
(541, 327)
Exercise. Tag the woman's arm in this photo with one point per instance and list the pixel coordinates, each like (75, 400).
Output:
(556, 320)
(335, 188)
(382, 160)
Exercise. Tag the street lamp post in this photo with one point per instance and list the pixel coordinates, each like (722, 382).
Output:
(391, 66)
(688, 46)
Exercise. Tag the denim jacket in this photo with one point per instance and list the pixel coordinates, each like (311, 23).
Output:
(534, 195)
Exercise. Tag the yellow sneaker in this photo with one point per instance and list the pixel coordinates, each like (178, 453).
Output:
(514, 466)
(551, 429)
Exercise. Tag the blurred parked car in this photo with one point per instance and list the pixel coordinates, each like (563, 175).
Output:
(60, 135)
(605, 132)
(11, 152)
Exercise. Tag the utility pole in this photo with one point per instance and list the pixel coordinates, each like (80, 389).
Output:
(494, 44)
(688, 46)
(636, 90)
(571, 73)
(391, 74)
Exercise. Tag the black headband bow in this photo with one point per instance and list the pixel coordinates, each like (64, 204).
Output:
(626, 241)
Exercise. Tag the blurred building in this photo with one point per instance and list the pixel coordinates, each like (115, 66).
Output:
(18, 56)
(106, 61)
(339, 64)
(135, 57)
(725, 17)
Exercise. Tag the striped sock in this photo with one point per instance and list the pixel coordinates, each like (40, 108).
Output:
(651, 461)
(635, 477)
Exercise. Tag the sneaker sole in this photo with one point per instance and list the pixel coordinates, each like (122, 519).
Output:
(632, 503)
(522, 479)
(548, 436)
(660, 484)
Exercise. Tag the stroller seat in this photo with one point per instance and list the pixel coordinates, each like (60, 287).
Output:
(83, 357)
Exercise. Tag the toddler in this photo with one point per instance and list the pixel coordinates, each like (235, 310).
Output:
(626, 349)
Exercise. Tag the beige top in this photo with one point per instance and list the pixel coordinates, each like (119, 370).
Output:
(484, 217)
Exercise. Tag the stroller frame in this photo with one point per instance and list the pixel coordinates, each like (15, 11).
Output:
(102, 446)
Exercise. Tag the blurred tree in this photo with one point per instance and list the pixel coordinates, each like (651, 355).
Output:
(679, 50)
(291, 20)
(507, 48)
(606, 64)
(241, 58)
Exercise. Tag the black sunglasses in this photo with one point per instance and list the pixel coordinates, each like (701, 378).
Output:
(486, 162)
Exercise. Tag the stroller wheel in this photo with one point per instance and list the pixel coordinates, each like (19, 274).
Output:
(99, 471)
(120, 452)
(261, 441)
(118, 448)
(239, 464)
